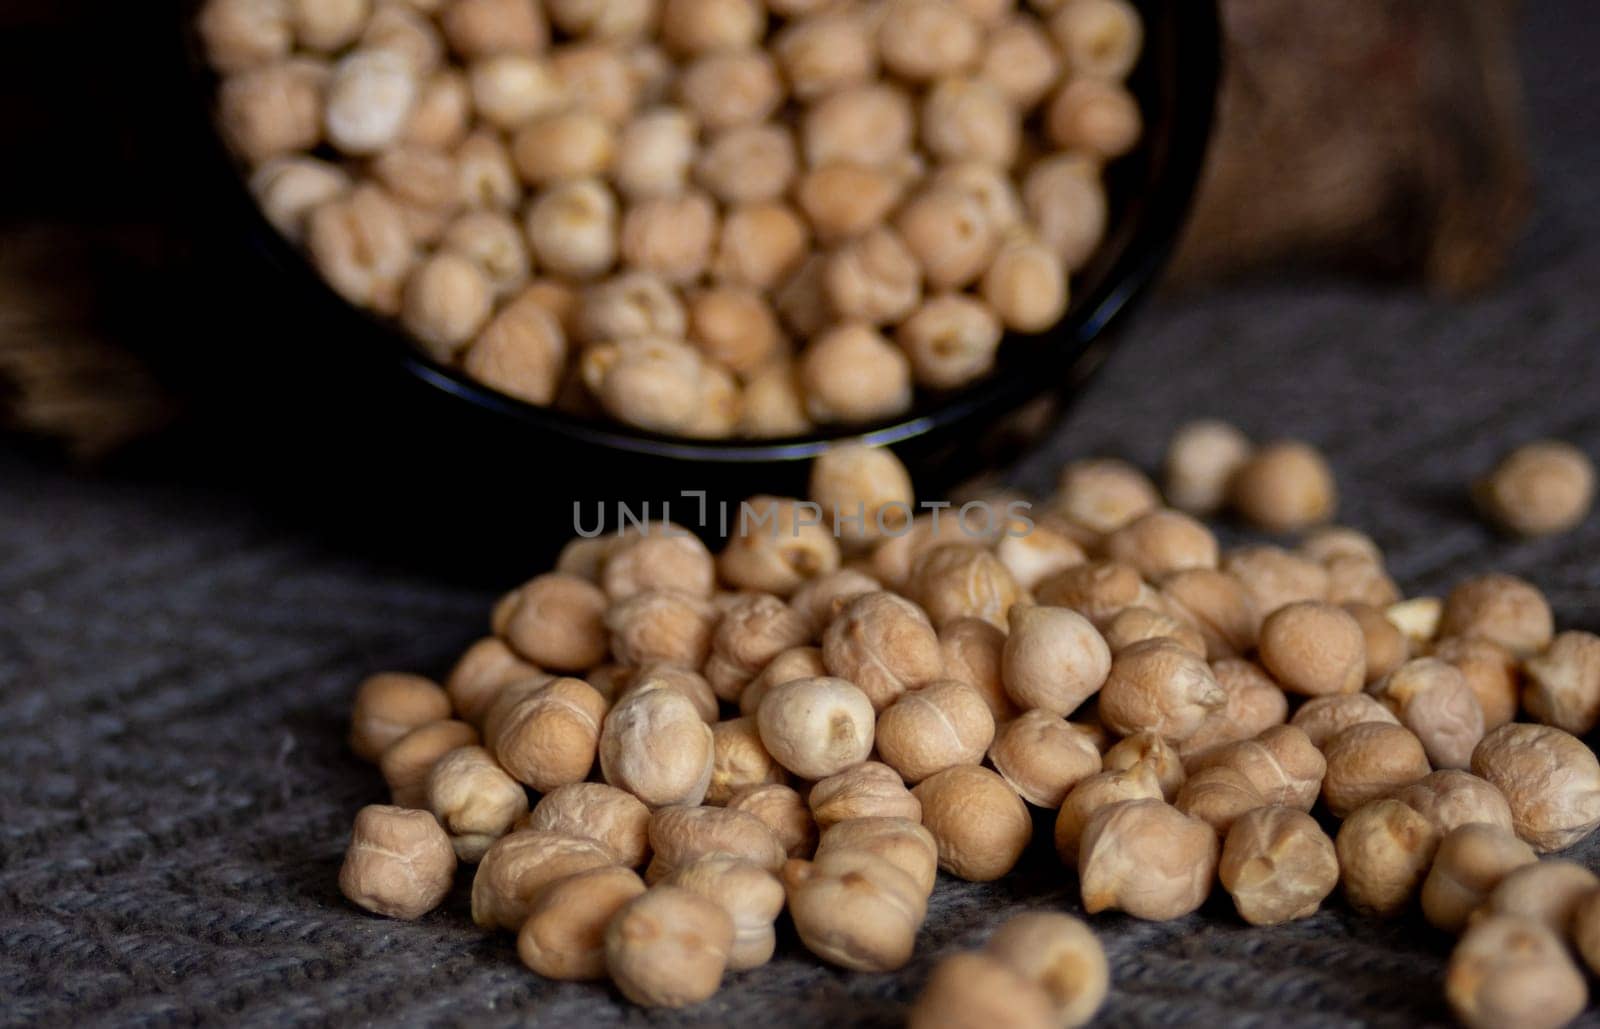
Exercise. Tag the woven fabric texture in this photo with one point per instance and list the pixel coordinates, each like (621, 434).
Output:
(175, 670)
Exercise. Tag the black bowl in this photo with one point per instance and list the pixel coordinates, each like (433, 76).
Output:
(364, 392)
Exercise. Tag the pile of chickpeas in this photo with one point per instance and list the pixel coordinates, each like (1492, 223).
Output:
(659, 750)
(703, 218)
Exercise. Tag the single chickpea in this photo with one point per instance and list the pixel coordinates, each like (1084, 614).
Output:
(1387, 647)
(893, 558)
(406, 762)
(1053, 659)
(1492, 672)
(655, 745)
(1501, 608)
(936, 727)
(1201, 458)
(922, 40)
(1099, 39)
(407, 31)
(1370, 760)
(668, 947)
(563, 146)
(555, 621)
(749, 164)
(510, 90)
(760, 245)
(691, 27)
(1147, 858)
(611, 817)
(1137, 624)
(1061, 955)
(1284, 487)
(1547, 892)
(240, 35)
(1037, 554)
(867, 126)
(1513, 972)
(1042, 757)
(670, 236)
(816, 727)
(971, 648)
(996, 194)
(1470, 862)
(1098, 590)
(1101, 495)
(389, 705)
(1275, 577)
(369, 100)
(288, 189)
(970, 119)
(755, 628)
(826, 51)
(948, 234)
(629, 306)
(902, 842)
(794, 663)
(1314, 649)
(598, 78)
(1216, 604)
(1281, 764)
(1218, 795)
(669, 559)
(844, 200)
(1323, 718)
(1254, 704)
(1150, 749)
(962, 580)
(1450, 798)
(564, 936)
(1093, 116)
(399, 863)
(1329, 542)
(951, 341)
(981, 825)
(751, 895)
(653, 382)
(974, 989)
(1160, 686)
(1432, 699)
(673, 677)
(548, 738)
(1538, 489)
(1563, 683)
(447, 300)
(874, 278)
(1138, 781)
(1353, 580)
(1162, 541)
(870, 789)
(776, 546)
(773, 405)
(680, 835)
(572, 228)
(1550, 779)
(495, 244)
(474, 799)
(783, 811)
(853, 374)
(1026, 286)
(1384, 850)
(517, 866)
(1067, 205)
(479, 675)
(273, 111)
(488, 179)
(734, 327)
(654, 153)
(730, 89)
(1278, 865)
(869, 493)
(855, 909)
(603, 19)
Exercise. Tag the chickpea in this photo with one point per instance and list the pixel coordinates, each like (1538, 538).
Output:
(1067, 205)
(749, 164)
(755, 628)
(670, 236)
(1314, 649)
(603, 19)
(474, 799)
(922, 40)
(399, 863)
(564, 936)
(773, 406)
(274, 110)
(598, 78)
(844, 200)
(1160, 686)
(1147, 858)
(654, 153)
(1323, 718)
(962, 580)
(630, 306)
(240, 35)
(1042, 757)
(970, 119)
(563, 146)
(1501, 608)
(406, 31)
(670, 559)
(1278, 865)
(731, 89)
(948, 234)
(1053, 659)
(1367, 761)
(653, 382)
(776, 547)
(1450, 798)
(1091, 794)
(1037, 555)
(1100, 39)
(494, 244)
(1563, 683)
(611, 817)
(893, 559)
(794, 663)
(1137, 624)
(939, 726)
(1547, 892)
(1538, 489)
(802, 297)
(994, 191)
(680, 835)
(855, 909)
(691, 27)
(853, 374)
(1254, 704)
(1089, 115)
(483, 28)
(1218, 795)
(1026, 286)
(447, 300)
(1471, 860)
(1509, 971)
(1353, 580)
(1491, 671)
(655, 745)
(1417, 619)
(674, 677)
(1060, 954)
(517, 866)
(870, 789)
(751, 895)
(1432, 699)
(868, 492)
(368, 101)
(971, 649)
(572, 228)
(1162, 541)
(974, 989)
(406, 762)
(389, 705)
(816, 727)
(548, 738)
(826, 51)
(951, 341)
(735, 328)
(360, 244)
(902, 842)
(1021, 61)
(288, 189)
(1217, 605)
(1336, 541)
(479, 675)
(668, 947)
(760, 246)
(1098, 590)
(981, 825)
(1276, 578)
(1387, 647)
(1282, 764)
(1201, 458)
(783, 811)
(869, 126)
(1284, 487)
(1384, 850)
(488, 179)
(1150, 749)
(509, 91)
(556, 621)
(1549, 778)
(1101, 495)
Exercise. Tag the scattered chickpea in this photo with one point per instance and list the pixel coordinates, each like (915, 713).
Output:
(389, 705)
(1470, 862)
(1367, 761)
(1282, 764)
(1491, 671)
(1538, 489)
(869, 126)
(1137, 782)
(1042, 757)
(939, 726)
(655, 745)
(1563, 683)
(1147, 858)
(870, 789)
(611, 817)
(902, 842)
(668, 947)
(487, 667)
(760, 245)
(555, 621)
(971, 650)
(1137, 624)
(962, 580)
(1513, 973)
(1387, 647)
(1216, 604)
(1501, 608)
(517, 866)
(794, 663)
(1384, 850)
(1026, 286)
(1314, 649)
(867, 490)
(1040, 553)
(977, 989)
(1148, 748)
(1547, 892)
(399, 863)
(275, 110)
(1432, 699)
(855, 909)
(885, 645)
(572, 229)
(776, 547)
(782, 810)
(368, 101)
(1275, 577)
(549, 737)
(1254, 704)
(1354, 580)
(564, 936)
(1450, 798)
(474, 799)
(816, 727)
(1284, 487)
(669, 559)
(1053, 659)
(681, 835)
(1550, 779)
(740, 760)
(406, 762)
(1278, 865)
(754, 629)
(1060, 954)
(1101, 495)
(979, 822)
(750, 894)
(1202, 458)
(1218, 795)
(1097, 590)
(1160, 686)
(1093, 116)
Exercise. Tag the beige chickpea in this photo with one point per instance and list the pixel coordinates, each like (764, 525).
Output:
(1021, 61)
(1101, 495)
(1162, 541)
(655, 745)
(801, 298)
(1042, 757)
(360, 245)
(893, 558)
(611, 817)
(406, 762)
(1138, 781)
(1513, 972)
(488, 178)
(1099, 39)
(1550, 779)
(748, 164)
(669, 559)
(773, 404)
(572, 229)
(652, 68)
(971, 650)
(981, 825)
(1284, 487)
(369, 100)
(1147, 858)
(288, 189)
(735, 328)
(389, 705)
(783, 811)
(750, 894)
(921, 40)
(1278, 865)
(939, 726)
(1148, 748)
(1137, 624)
(1098, 590)
(843, 200)
(555, 621)
(760, 245)
(816, 727)
(1323, 718)
(474, 799)
(399, 863)
(1432, 699)
(1470, 862)
(754, 629)
(273, 111)
(1201, 458)
(970, 119)
(823, 52)
(1275, 577)
(517, 866)
(497, 711)
(1491, 671)
(483, 28)
(794, 663)
(674, 677)
(1060, 954)
(1254, 704)
(962, 580)
(1216, 604)
(495, 244)
(549, 737)
(239, 35)
(951, 341)
(690, 27)
(1282, 764)
(1053, 659)
(855, 909)
(1093, 116)
(598, 78)
(603, 19)
(1314, 649)
(509, 91)
(729, 89)
(1026, 286)
(870, 789)
(655, 151)
(874, 279)
(1041, 552)
(868, 492)
(479, 675)
(1370, 760)
(447, 300)
(869, 126)
(1160, 686)
(739, 760)
(1329, 542)
(1538, 489)
(1387, 647)
(1563, 683)
(563, 146)
(1450, 798)
(1502, 608)
(1547, 892)
(975, 989)
(670, 236)
(1360, 581)
(653, 382)
(668, 947)
(407, 31)
(1067, 204)
(681, 835)
(948, 233)
(1218, 795)
(903, 842)
(564, 936)
(996, 194)
(1385, 849)
(776, 546)
(629, 306)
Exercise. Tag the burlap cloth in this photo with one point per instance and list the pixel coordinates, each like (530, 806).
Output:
(175, 667)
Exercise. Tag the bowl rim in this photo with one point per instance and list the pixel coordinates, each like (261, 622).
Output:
(1168, 195)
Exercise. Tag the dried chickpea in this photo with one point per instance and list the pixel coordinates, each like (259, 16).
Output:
(867, 493)
(1160, 686)
(823, 52)
(406, 762)
(1513, 973)
(548, 738)
(1099, 38)
(939, 726)
(1098, 590)
(855, 909)
(773, 405)
(669, 558)
(1042, 757)
(603, 19)
(921, 40)
(668, 947)
(976, 989)
(868, 125)
(407, 31)
(474, 799)
(495, 244)
(1275, 577)
(816, 727)
(673, 677)
(951, 341)
(794, 663)
(1284, 487)
(962, 580)
(1314, 649)
(802, 297)
(1254, 704)
(480, 674)
(1501, 608)
(598, 78)
(1387, 647)
(628, 306)
(760, 245)
(1491, 671)
(735, 328)
(1215, 603)
(893, 559)
(1417, 619)
(1355, 580)
(690, 27)
(360, 244)
(288, 189)
(517, 866)
(1370, 760)
(1040, 553)
(1322, 718)
(739, 761)
(399, 863)
(1218, 795)
(1432, 699)
(1538, 489)
(970, 119)
(1060, 954)
(243, 34)
(1384, 850)
(748, 164)
(776, 547)
(902, 842)
(1550, 779)
(870, 789)
(563, 146)
(981, 825)
(653, 382)
(1330, 542)
(655, 151)
(1067, 205)
(948, 233)
(1162, 541)
(1450, 798)
(1278, 865)
(564, 936)
(572, 229)
(681, 835)
(655, 745)
(369, 100)
(754, 629)
(1137, 624)
(1026, 286)
(555, 621)
(843, 200)
(389, 705)
(1021, 61)
(1101, 495)
(972, 649)
(273, 111)
(1139, 781)
(1150, 749)
(1147, 858)
(1096, 117)
(728, 89)
(1470, 862)
(1053, 659)
(488, 179)
(1547, 892)
(750, 894)
(510, 90)
(1201, 458)
(1563, 683)
(782, 810)
(885, 645)
(670, 235)
(483, 28)
(605, 814)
